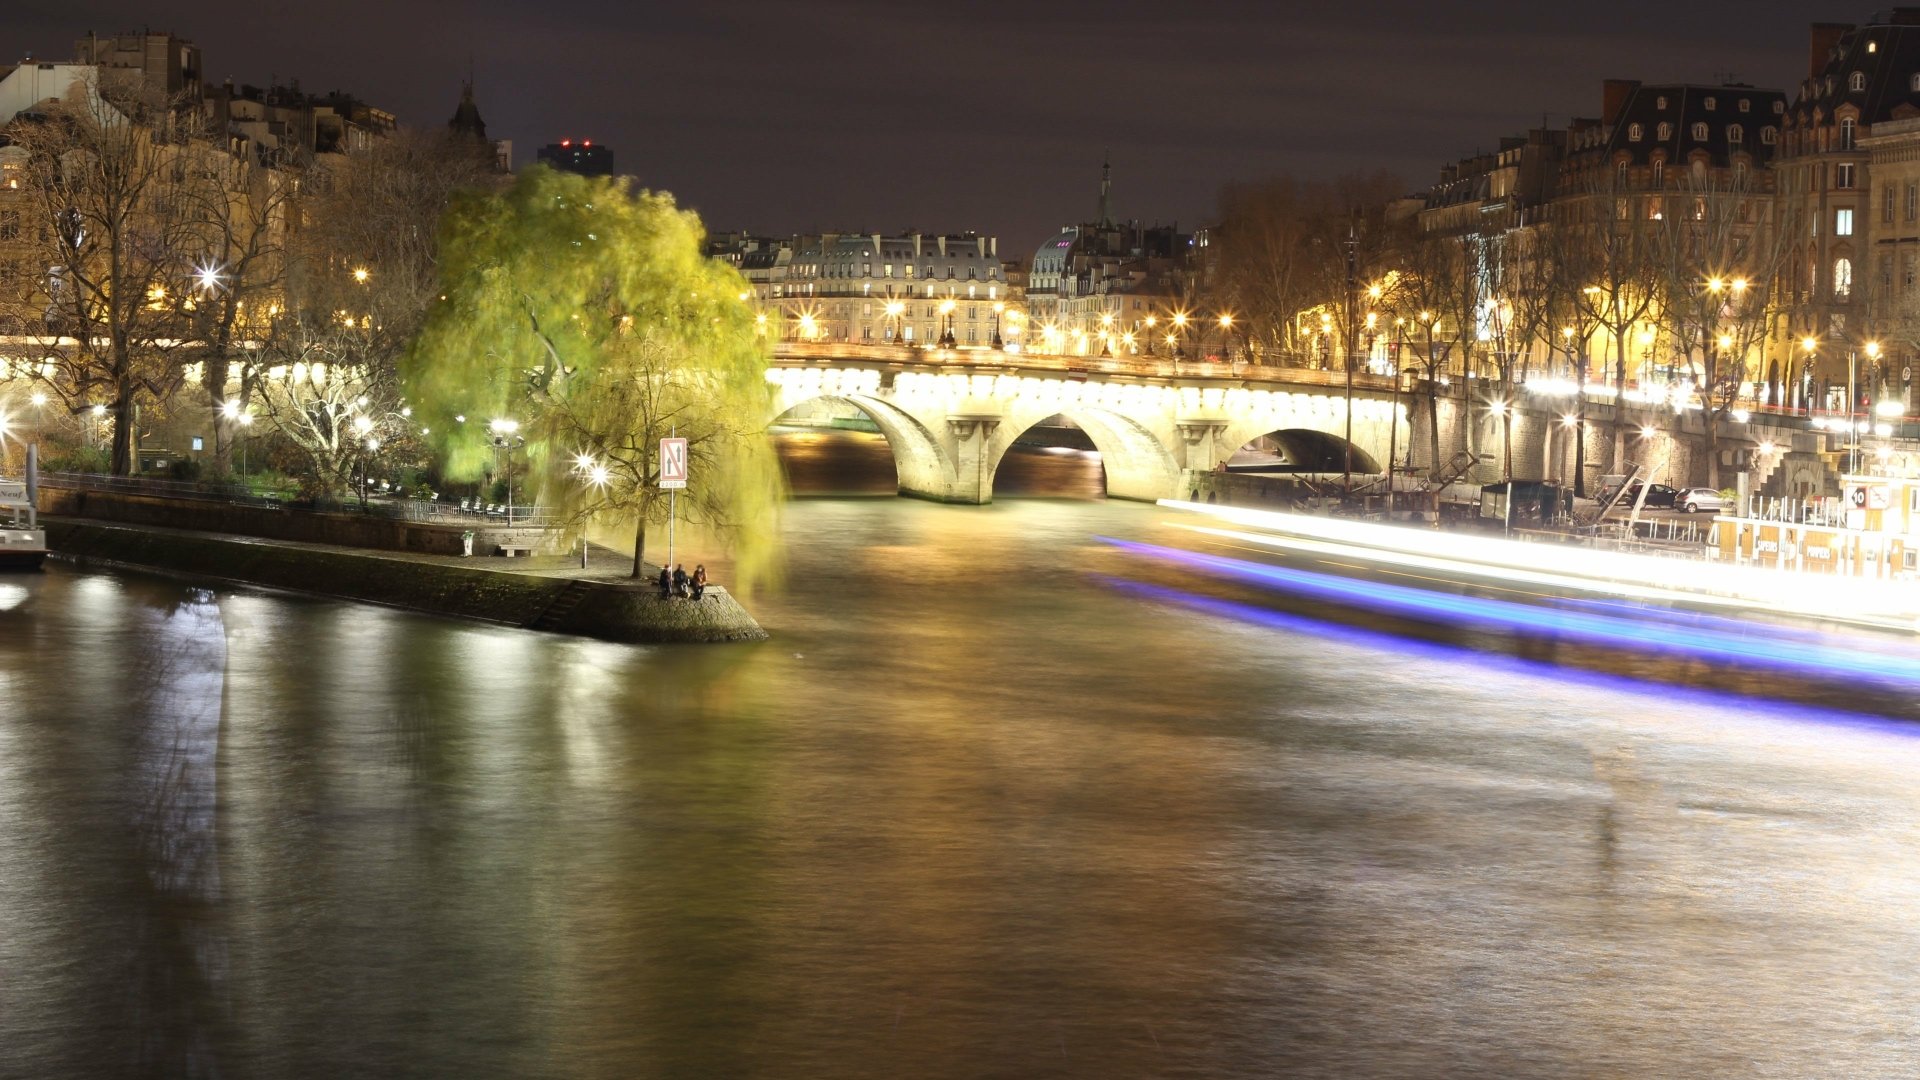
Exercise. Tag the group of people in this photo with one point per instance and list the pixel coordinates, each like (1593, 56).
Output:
(680, 583)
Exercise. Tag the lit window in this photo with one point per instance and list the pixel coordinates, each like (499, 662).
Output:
(889, 269)
(1846, 133)
(1710, 104)
(1700, 132)
(1634, 131)
(1843, 222)
(1843, 175)
(1842, 278)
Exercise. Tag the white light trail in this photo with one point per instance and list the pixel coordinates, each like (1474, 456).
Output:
(1883, 602)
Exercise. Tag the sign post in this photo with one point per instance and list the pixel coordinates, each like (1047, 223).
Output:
(673, 477)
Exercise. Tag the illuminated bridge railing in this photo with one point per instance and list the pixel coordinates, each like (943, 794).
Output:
(798, 352)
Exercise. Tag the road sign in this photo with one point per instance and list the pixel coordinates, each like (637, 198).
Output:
(673, 463)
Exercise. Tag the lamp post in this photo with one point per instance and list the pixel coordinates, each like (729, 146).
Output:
(1853, 426)
(506, 436)
(947, 340)
(1173, 338)
(1149, 322)
(1226, 336)
(998, 308)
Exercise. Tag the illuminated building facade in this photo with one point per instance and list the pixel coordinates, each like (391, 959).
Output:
(1109, 288)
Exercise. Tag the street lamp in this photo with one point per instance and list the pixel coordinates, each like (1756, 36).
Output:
(1226, 336)
(1853, 400)
(1173, 338)
(506, 436)
(947, 340)
(999, 307)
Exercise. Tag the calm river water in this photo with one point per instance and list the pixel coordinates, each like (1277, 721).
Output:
(976, 811)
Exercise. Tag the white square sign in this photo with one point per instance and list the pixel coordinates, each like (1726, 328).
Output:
(14, 493)
(673, 463)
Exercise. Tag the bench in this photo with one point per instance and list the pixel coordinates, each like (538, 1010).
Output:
(515, 550)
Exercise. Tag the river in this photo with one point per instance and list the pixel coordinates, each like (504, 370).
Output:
(979, 809)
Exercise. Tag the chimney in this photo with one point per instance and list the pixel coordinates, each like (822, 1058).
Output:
(1820, 42)
(1613, 98)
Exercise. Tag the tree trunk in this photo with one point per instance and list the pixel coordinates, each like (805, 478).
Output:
(1619, 394)
(639, 545)
(218, 369)
(125, 419)
(1580, 428)
(1713, 449)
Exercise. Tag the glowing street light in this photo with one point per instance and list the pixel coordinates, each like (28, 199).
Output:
(361, 274)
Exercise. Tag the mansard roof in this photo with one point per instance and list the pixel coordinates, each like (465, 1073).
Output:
(1886, 52)
(1638, 130)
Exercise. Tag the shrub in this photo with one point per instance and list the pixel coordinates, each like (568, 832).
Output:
(81, 459)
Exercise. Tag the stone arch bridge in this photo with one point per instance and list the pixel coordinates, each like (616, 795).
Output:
(951, 416)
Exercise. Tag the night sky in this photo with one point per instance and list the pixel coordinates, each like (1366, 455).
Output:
(785, 116)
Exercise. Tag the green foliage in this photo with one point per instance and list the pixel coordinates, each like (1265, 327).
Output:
(80, 459)
(588, 314)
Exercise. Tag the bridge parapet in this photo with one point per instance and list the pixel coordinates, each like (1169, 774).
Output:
(802, 353)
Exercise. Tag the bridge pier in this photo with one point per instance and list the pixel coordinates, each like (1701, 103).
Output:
(971, 479)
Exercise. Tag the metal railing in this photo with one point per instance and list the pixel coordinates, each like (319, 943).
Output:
(387, 505)
(237, 492)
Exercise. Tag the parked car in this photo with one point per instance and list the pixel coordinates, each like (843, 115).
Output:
(1694, 500)
(1657, 495)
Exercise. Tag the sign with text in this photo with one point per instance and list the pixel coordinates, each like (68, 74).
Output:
(14, 493)
(673, 463)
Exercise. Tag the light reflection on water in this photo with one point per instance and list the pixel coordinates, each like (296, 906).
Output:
(972, 812)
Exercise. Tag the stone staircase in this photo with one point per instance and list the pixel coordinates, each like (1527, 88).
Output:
(555, 614)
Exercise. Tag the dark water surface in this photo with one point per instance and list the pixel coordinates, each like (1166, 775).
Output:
(976, 811)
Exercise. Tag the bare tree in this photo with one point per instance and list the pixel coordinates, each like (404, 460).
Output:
(361, 277)
(1717, 260)
(1612, 281)
(105, 167)
(239, 282)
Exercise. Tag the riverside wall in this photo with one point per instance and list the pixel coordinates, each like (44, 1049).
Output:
(304, 526)
(570, 605)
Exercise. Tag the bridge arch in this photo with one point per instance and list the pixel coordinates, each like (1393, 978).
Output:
(1137, 463)
(920, 464)
(1311, 450)
(1313, 429)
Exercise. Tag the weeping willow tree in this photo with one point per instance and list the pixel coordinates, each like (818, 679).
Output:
(588, 316)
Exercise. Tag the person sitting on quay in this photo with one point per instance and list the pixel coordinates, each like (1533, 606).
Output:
(699, 583)
(666, 583)
(680, 580)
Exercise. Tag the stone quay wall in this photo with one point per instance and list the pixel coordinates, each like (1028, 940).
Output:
(600, 609)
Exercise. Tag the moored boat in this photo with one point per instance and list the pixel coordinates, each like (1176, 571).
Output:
(23, 543)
